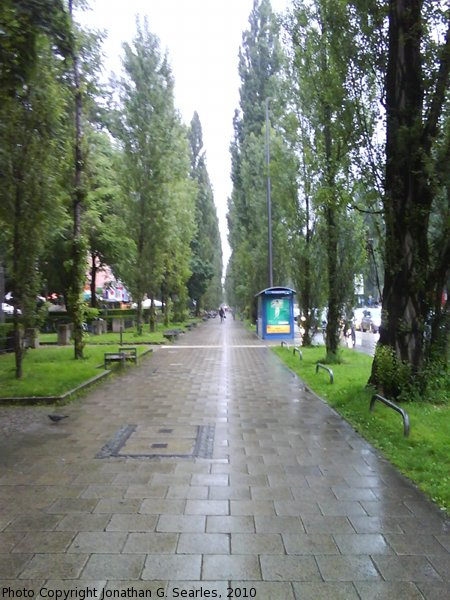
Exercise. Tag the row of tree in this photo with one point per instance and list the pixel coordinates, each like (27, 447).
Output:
(359, 144)
(110, 174)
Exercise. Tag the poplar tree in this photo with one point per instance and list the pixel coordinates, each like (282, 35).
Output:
(259, 67)
(205, 285)
(155, 165)
(32, 105)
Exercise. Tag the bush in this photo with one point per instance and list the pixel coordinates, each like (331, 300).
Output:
(392, 375)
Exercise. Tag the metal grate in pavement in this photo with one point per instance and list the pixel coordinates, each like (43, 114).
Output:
(141, 441)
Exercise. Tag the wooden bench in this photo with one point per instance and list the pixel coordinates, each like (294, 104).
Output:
(130, 353)
(115, 357)
(171, 334)
(123, 354)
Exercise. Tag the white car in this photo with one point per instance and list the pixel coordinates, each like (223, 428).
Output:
(7, 308)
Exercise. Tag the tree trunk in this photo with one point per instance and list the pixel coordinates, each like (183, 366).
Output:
(78, 257)
(17, 249)
(18, 344)
(93, 280)
(152, 315)
(139, 316)
(407, 295)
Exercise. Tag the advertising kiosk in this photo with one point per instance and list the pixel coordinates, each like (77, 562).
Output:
(275, 316)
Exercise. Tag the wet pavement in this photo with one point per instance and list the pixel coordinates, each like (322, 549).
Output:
(208, 467)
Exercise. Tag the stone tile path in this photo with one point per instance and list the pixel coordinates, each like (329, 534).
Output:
(209, 467)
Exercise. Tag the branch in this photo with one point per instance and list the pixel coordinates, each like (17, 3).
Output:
(431, 125)
(363, 210)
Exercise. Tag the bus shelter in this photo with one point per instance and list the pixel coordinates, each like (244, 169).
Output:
(275, 313)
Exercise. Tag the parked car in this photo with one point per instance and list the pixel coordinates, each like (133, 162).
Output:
(371, 319)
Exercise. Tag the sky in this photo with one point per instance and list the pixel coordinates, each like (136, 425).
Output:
(202, 38)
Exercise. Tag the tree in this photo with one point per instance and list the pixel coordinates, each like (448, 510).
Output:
(31, 122)
(78, 195)
(206, 263)
(154, 166)
(417, 139)
(259, 67)
(325, 111)
(106, 234)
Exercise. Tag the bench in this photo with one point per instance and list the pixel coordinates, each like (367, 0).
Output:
(130, 352)
(123, 354)
(114, 357)
(171, 334)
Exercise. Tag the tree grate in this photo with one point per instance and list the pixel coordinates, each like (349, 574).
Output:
(202, 445)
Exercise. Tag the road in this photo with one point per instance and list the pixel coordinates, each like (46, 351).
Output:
(365, 341)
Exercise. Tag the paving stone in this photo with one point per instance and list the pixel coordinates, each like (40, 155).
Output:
(34, 523)
(12, 564)
(44, 542)
(117, 505)
(381, 590)
(59, 566)
(406, 568)
(270, 524)
(181, 523)
(434, 591)
(224, 567)
(256, 543)
(325, 591)
(132, 523)
(347, 568)
(101, 542)
(326, 524)
(244, 524)
(159, 506)
(300, 543)
(188, 492)
(415, 544)
(83, 522)
(203, 543)
(362, 543)
(207, 507)
(114, 566)
(289, 568)
(172, 567)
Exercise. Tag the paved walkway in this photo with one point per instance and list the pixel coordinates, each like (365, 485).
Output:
(208, 466)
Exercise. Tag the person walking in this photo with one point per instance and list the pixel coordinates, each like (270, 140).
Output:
(221, 314)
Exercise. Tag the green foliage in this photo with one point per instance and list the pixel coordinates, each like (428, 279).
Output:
(158, 208)
(393, 374)
(206, 263)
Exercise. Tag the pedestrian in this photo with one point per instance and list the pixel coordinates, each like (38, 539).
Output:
(221, 314)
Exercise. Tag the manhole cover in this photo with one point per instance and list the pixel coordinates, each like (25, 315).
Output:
(146, 441)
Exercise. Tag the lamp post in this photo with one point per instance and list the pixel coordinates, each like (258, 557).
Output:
(269, 204)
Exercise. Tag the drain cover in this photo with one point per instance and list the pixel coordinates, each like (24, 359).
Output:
(146, 441)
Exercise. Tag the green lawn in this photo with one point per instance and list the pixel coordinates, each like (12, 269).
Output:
(129, 336)
(51, 371)
(424, 456)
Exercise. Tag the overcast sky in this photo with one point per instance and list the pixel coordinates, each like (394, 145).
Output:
(202, 38)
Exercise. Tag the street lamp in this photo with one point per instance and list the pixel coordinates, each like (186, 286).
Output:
(269, 204)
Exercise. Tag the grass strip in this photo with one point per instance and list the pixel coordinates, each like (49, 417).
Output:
(51, 371)
(129, 336)
(424, 456)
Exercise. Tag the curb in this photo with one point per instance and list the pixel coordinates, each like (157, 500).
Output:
(46, 400)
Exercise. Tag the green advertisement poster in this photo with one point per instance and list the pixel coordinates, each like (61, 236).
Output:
(278, 316)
